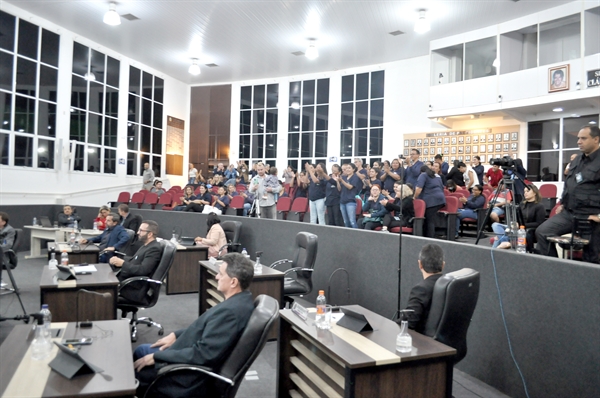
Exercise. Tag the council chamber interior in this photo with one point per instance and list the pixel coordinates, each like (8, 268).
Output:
(85, 105)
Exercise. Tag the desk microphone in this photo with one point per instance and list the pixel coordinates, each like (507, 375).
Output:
(86, 324)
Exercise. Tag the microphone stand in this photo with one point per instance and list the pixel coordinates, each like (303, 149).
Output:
(86, 324)
(399, 306)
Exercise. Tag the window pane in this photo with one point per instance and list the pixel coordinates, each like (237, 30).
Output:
(111, 107)
(158, 115)
(94, 129)
(360, 143)
(323, 91)
(23, 151)
(131, 166)
(245, 117)
(77, 130)
(346, 143)
(377, 113)
(26, 75)
(7, 34)
(146, 112)
(259, 96)
(258, 124)
(146, 85)
(244, 146)
(5, 110)
(246, 97)
(362, 86)
(270, 145)
(48, 83)
(79, 158)
(479, 58)
(133, 137)
(272, 95)
(293, 145)
(347, 88)
(78, 92)
(308, 118)
(294, 120)
(97, 65)
(377, 83)
(362, 111)
(24, 114)
(6, 64)
(133, 112)
(93, 158)
(347, 115)
(80, 58)
(157, 141)
(571, 127)
(543, 135)
(376, 142)
(307, 145)
(110, 161)
(50, 45)
(113, 70)
(134, 80)
(146, 139)
(143, 160)
(28, 39)
(258, 150)
(308, 92)
(45, 154)
(96, 100)
(295, 93)
(293, 164)
(271, 126)
(159, 88)
(321, 144)
(4, 143)
(157, 165)
(110, 132)
(46, 119)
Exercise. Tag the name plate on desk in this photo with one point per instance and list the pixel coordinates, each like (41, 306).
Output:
(300, 310)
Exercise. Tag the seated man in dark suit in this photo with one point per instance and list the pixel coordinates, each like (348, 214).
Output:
(142, 263)
(128, 220)
(114, 237)
(431, 264)
(68, 217)
(209, 340)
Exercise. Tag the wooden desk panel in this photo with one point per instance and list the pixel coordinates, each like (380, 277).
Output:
(78, 255)
(62, 301)
(339, 363)
(183, 277)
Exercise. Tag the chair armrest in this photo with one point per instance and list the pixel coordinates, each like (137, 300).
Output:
(279, 262)
(136, 279)
(297, 269)
(170, 369)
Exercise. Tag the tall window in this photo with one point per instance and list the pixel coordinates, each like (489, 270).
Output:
(28, 85)
(145, 122)
(94, 110)
(362, 117)
(308, 122)
(258, 123)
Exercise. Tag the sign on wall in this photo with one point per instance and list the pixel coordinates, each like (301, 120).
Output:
(593, 78)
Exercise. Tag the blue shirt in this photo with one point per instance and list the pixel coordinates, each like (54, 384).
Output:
(388, 183)
(348, 195)
(413, 172)
(316, 190)
(332, 195)
(432, 190)
(475, 202)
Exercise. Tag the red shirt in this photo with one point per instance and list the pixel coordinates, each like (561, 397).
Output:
(101, 223)
(494, 177)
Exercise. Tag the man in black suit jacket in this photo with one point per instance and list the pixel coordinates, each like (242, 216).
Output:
(209, 340)
(431, 264)
(142, 263)
(128, 220)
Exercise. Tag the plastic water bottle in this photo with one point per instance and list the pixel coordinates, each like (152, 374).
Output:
(404, 339)
(257, 264)
(95, 227)
(53, 262)
(47, 316)
(321, 302)
(72, 239)
(245, 253)
(75, 225)
(64, 258)
(522, 240)
(34, 221)
(41, 346)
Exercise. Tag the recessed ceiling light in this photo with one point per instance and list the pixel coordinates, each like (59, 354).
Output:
(194, 68)
(574, 115)
(422, 24)
(592, 122)
(557, 110)
(112, 17)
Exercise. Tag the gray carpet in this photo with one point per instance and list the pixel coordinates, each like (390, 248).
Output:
(178, 311)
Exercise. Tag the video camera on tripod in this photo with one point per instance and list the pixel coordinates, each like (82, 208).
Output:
(506, 162)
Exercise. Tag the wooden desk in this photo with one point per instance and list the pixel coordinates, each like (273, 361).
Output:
(270, 282)
(78, 254)
(342, 363)
(39, 234)
(62, 298)
(21, 376)
(183, 276)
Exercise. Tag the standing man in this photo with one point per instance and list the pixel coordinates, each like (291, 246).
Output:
(443, 165)
(209, 339)
(431, 264)
(317, 177)
(332, 198)
(414, 168)
(493, 176)
(580, 198)
(113, 238)
(478, 169)
(265, 195)
(147, 177)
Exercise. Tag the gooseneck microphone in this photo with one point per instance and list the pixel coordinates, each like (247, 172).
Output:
(86, 324)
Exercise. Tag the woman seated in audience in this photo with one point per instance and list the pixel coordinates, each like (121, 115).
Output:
(157, 188)
(187, 198)
(430, 189)
(533, 215)
(393, 204)
(218, 180)
(470, 205)
(373, 210)
(373, 179)
(101, 219)
(451, 186)
(203, 198)
(222, 200)
(243, 171)
(215, 237)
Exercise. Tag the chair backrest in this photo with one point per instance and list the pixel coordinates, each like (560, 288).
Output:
(143, 192)
(451, 205)
(553, 211)
(138, 197)
(419, 205)
(300, 205)
(232, 230)
(358, 206)
(307, 245)
(452, 305)
(284, 203)
(237, 202)
(151, 198)
(548, 190)
(124, 197)
(165, 199)
(132, 235)
(18, 239)
(166, 260)
(250, 344)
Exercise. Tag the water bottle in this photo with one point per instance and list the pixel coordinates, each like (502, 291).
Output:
(257, 264)
(321, 302)
(75, 225)
(41, 346)
(245, 253)
(95, 227)
(72, 239)
(522, 240)
(53, 262)
(64, 258)
(34, 221)
(47, 316)
(404, 339)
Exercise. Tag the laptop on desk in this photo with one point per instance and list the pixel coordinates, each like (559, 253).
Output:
(45, 221)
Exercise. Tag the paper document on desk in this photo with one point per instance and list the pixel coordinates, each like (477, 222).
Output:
(85, 268)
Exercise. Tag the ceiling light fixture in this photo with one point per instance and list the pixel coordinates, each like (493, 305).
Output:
(422, 25)
(312, 52)
(90, 77)
(111, 17)
(557, 110)
(194, 67)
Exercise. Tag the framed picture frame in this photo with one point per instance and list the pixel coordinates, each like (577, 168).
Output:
(513, 146)
(475, 149)
(506, 136)
(467, 140)
(482, 139)
(490, 138)
(475, 139)
(426, 151)
(453, 151)
(482, 148)
(453, 140)
(446, 141)
(405, 143)
(419, 142)
(467, 149)
(461, 150)
(467, 158)
(439, 141)
(514, 136)
(460, 158)
(558, 78)
(490, 148)
(413, 143)
(505, 147)
(498, 137)
(446, 150)
(439, 150)
(426, 142)
(498, 147)
(482, 158)
(406, 152)
(432, 141)
(461, 140)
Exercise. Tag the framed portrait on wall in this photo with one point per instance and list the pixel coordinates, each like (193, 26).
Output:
(514, 136)
(446, 150)
(461, 149)
(461, 140)
(467, 158)
(453, 158)
(506, 136)
(446, 141)
(413, 143)
(453, 151)
(482, 158)
(475, 148)
(513, 146)
(490, 148)
(460, 158)
(498, 147)
(505, 147)
(419, 142)
(439, 141)
(468, 149)
(405, 142)
(432, 141)
(482, 139)
(558, 78)
(439, 151)
(406, 152)
(467, 140)
(426, 141)
(498, 137)
(453, 140)
(475, 139)
(425, 151)
(482, 148)
(490, 138)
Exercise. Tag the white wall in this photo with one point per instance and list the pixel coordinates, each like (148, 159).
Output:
(39, 186)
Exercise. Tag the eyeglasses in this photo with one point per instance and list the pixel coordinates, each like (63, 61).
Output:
(143, 230)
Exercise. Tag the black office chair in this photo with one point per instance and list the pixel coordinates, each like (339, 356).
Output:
(233, 231)
(9, 261)
(302, 266)
(11, 254)
(150, 288)
(184, 380)
(132, 236)
(454, 299)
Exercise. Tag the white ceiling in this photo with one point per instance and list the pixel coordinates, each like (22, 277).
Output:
(252, 39)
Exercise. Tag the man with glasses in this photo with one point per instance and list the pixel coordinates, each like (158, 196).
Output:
(414, 169)
(146, 259)
(114, 237)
